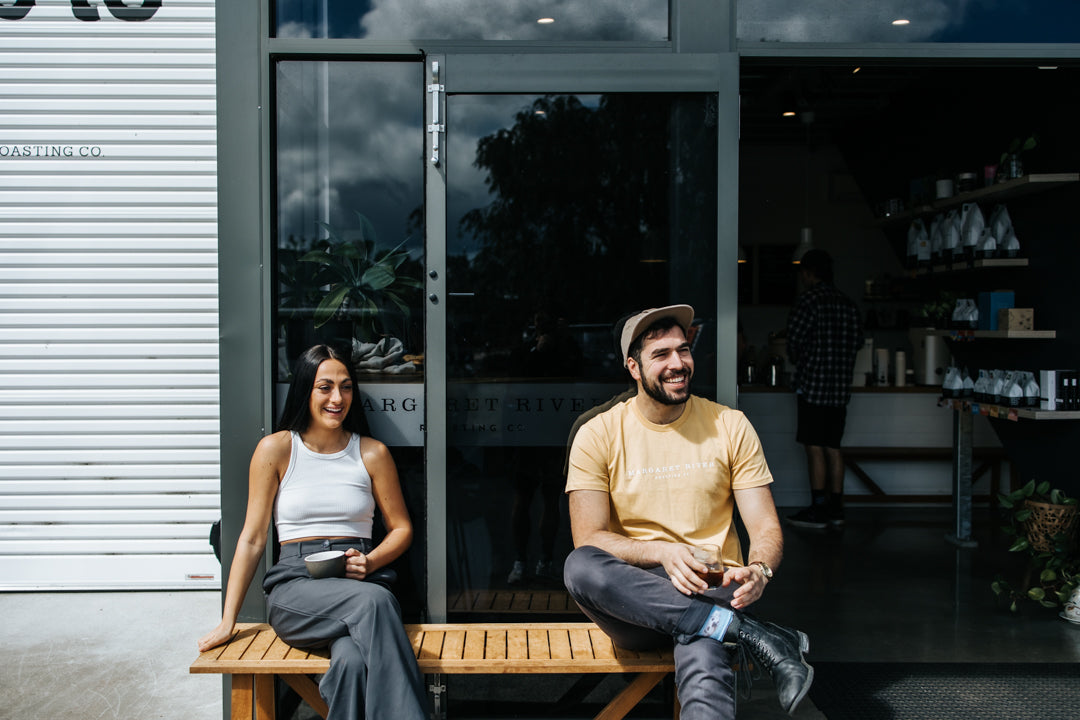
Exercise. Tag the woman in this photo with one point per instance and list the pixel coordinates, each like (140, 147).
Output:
(321, 479)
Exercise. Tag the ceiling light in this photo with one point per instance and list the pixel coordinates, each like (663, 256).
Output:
(789, 113)
(546, 21)
(1048, 67)
(856, 70)
(901, 21)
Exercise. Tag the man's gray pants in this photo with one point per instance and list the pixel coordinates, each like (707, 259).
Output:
(640, 609)
(373, 672)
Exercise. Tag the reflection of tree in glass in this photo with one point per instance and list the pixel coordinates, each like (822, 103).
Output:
(580, 197)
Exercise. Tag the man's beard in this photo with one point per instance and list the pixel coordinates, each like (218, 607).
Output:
(655, 390)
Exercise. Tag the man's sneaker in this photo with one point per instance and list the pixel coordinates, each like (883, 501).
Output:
(516, 573)
(814, 517)
(835, 514)
(780, 650)
(544, 569)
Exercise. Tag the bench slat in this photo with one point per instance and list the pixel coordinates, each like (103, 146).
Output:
(559, 644)
(453, 644)
(495, 646)
(538, 644)
(517, 645)
(475, 640)
(602, 646)
(431, 646)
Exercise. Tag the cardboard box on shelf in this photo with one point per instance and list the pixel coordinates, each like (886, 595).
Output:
(1016, 319)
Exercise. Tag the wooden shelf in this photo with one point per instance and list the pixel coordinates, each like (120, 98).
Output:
(1004, 412)
(1000, 191)
(995, 334)
(977, 264)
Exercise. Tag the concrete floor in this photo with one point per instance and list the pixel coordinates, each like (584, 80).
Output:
(889, 588)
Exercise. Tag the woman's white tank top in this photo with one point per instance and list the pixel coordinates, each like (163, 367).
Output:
(324, 495)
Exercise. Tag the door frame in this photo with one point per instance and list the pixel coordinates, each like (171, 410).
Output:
(586, 73)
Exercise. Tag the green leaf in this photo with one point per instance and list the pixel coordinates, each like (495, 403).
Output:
(330, 305)
(378, 277)
(1022, 515)
(367, 230)
(997, 588)
(1047, 576)
(1020, 544)
(1005, 502)
(1028, 489)
(318, 256)
(335, 239)
(1036, 593)
(1043, 488)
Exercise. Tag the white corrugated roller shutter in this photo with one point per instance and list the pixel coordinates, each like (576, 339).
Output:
(108, 295)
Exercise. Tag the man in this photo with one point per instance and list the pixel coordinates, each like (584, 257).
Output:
(654, 476)
(823, 335)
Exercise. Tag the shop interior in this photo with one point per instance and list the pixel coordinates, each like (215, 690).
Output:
(856, 152)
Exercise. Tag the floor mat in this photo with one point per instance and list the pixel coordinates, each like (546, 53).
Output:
(947, 691)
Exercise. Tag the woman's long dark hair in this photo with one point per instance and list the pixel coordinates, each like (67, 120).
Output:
(296, 415)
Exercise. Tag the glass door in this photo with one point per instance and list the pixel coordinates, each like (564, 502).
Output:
(564, 212)
(349, 250)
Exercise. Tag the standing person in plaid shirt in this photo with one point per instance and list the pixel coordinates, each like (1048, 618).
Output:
(823, 334)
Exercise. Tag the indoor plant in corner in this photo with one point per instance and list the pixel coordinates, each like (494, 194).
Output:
(365, 286)
(1043, 522)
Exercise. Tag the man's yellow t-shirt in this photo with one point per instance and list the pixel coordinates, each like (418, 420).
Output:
(671, 482)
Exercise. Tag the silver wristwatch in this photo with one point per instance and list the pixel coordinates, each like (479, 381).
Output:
(765, 569)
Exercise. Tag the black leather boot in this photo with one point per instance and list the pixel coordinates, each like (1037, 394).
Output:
(780, 650)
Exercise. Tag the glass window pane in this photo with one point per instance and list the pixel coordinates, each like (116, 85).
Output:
(349, 242)
(349, 177)
(558, 20)
(896, 21)
(564, 212)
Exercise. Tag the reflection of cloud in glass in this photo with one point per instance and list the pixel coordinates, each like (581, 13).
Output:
(482, 19)
(644, 20)
(846, 20)
(356, 147)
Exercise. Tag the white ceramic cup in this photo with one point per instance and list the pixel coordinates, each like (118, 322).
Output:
(330, 563)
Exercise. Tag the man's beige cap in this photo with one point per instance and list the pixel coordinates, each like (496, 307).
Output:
(636, 324)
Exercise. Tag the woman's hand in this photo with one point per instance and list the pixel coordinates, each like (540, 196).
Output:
(356, 564)
(217, 636)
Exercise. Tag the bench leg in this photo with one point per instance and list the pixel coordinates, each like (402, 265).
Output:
(241, 697)
(252, 697)
(625, 701)
(306, 688)
(264, 697)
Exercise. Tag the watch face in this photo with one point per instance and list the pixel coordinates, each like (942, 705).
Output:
(765, 569)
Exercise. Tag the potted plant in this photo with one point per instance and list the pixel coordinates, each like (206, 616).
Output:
(1043, 522)
(364, 286)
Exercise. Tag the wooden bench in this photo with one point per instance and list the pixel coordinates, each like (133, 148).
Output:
(989, 458)
(256, 654)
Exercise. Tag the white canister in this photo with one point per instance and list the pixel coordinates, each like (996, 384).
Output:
(943, 189)
(901, 368)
